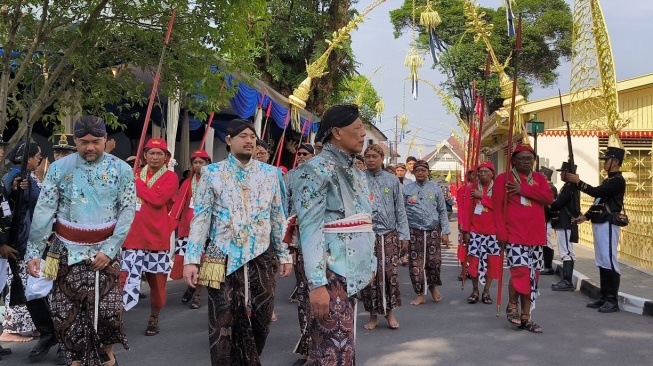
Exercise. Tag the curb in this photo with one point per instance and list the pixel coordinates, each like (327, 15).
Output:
(627, 302)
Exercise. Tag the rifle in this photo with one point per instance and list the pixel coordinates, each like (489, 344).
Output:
(17, 294)
(572, 167)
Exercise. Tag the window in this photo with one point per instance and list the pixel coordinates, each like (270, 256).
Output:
(636, 167)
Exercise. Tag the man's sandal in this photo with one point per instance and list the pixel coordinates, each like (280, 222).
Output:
(473, 298)
(512, 313)
(195, 304)
(152, 326)
(527, 324)
(486, 299)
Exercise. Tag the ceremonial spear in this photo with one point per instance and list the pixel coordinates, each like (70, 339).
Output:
(509, 150)
(477, 148)
(155, 86)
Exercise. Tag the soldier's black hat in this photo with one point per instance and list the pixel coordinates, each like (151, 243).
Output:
(548, 173)
(566, 167)
(64, 142)
(613, 152)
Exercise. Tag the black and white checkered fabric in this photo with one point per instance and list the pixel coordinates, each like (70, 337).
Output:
(181, 246)
(135, 262)
(480, 246)
(528, 256)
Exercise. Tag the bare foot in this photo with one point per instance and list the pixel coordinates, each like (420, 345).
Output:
(437, 296)
(418, 300)
(274, 317)
(392, 321)
(372, 323)
(14, 337)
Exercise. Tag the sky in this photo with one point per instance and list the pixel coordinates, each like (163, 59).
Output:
(629, 27)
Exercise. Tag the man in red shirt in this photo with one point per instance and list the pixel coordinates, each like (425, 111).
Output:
(522, 231)
(480, 235)
(463, 196)
(183, 211)
(147, 246)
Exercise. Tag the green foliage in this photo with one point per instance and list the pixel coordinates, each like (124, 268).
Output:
(296, 36)
(546, 32)
(67, 50)
(358, 89)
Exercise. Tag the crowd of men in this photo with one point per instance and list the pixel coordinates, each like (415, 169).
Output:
(92, 225)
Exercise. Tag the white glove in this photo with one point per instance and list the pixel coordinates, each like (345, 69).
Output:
(172, 163)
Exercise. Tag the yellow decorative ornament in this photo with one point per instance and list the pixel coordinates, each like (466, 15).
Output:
(318, 68)
(403, 122)
(379, 107)
(412, 141)
(482, 30)
(449, 104)
(430, 19)
(594, 103)
(361, 91)
(413, 59)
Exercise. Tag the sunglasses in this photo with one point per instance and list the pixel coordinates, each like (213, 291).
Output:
(303, 154)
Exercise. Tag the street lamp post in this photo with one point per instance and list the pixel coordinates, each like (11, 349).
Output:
(533, 127)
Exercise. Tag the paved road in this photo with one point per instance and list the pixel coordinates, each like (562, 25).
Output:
(448, 333)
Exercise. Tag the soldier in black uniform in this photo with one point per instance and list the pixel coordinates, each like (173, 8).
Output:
(565, 208)
(547, 250)
(609, 201)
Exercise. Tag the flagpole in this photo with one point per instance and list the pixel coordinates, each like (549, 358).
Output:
(479, 132)
(509, 152)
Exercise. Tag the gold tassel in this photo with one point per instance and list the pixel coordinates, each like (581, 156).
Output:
(429, 18)
(51, 267)
(212, 272)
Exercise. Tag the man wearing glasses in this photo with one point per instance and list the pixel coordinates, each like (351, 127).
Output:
(262, 151)
(522, 232)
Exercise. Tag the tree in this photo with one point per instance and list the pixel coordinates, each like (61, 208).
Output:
(59, 55)
(296, 36)
(546, 33)
(358, 89)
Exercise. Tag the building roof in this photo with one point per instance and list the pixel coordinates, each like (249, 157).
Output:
(376, 129)
(453, 144)
(386, 150)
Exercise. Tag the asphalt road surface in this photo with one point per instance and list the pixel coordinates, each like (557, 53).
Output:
(451, 332)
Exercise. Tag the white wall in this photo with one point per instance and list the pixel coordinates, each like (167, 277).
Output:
(553, 151)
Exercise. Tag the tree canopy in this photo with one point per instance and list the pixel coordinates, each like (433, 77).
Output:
(357, 89)
(59, 55)
(546, 35)
(296, 36)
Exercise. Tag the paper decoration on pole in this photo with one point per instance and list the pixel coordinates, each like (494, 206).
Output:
(413, 59)
(318, 68)
(403, 122)
(430, 19)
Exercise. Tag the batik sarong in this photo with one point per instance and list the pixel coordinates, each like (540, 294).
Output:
(16, 318)
(425, 259)
(134, 263)
(382, 294)
(73, 311)
(484, 257)
(303, 305)
(333, 338)
(525, 262)
(235, 338)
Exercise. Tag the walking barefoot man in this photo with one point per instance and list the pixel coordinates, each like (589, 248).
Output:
(429, 228)
(391, 227)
